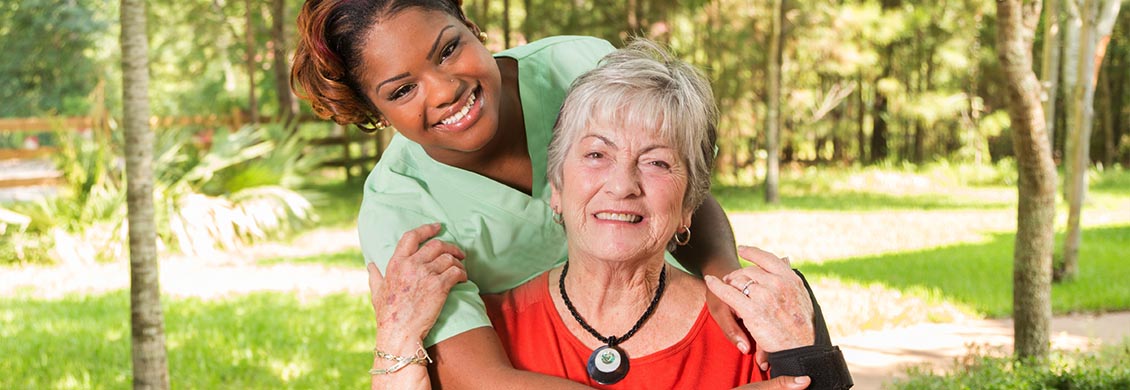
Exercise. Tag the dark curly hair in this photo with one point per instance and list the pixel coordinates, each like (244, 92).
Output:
(328, 57)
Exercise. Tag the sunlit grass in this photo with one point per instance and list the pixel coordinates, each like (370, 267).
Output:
(259, 341)
(979, 275)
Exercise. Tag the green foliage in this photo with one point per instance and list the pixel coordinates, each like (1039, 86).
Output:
(258, 341)
(206, 197)
(1079, 370)
(971, 273)
(201, 222)
(54, 55)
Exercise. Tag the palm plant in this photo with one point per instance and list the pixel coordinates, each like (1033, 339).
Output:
(202, 221)
(231, 191)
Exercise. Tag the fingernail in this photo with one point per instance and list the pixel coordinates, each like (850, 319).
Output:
(801, 380)
(764, 366)
(743, 347)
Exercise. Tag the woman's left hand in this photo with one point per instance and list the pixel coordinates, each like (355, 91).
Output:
(771, 300)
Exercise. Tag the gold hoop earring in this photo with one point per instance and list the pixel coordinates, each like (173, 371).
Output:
(482, 36)
(681, 240)
(558, 218)
(373, 124)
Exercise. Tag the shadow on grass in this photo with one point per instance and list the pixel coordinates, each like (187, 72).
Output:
(979, 275)
(336, 203)
(265, 340)
(745, 199)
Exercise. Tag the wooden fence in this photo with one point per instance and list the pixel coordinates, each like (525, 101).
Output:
(354, 160)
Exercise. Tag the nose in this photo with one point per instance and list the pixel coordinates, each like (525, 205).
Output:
(623, 181)
(444, 90)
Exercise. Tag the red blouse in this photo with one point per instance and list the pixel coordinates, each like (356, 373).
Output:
(537, 340)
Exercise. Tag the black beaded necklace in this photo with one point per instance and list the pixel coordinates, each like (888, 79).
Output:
(609, 364)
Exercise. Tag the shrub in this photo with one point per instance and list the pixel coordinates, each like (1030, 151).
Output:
(1106, 368)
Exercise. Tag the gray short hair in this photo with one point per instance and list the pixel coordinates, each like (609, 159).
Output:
(644, 86)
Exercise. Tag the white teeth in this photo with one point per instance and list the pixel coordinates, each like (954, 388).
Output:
(619, 217)
(462, 113)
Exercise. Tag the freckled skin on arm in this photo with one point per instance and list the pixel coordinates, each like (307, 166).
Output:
(475, 359)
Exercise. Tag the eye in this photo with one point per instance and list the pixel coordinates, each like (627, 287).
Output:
(660, 164)
(401, 92)
(594, 155)
(449, 49)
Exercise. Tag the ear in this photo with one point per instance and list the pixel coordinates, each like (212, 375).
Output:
(554, 197)
(687, 216)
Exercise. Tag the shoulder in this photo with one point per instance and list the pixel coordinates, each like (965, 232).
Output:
(396, 199)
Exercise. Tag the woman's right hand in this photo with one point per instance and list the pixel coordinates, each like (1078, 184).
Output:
(407, 298)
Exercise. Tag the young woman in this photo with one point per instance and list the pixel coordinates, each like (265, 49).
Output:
(466, 169)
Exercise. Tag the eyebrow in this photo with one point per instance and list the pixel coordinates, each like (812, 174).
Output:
(377, 90)
(613, 144)
(432, 52)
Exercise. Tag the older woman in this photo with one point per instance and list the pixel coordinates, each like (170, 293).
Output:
(628, 165)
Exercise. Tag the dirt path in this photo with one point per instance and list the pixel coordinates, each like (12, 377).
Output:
(874, 357)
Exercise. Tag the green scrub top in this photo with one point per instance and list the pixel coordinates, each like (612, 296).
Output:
(509, 237)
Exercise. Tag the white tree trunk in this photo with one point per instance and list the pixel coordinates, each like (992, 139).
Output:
(1097, 23)
(773, 116)
(1050, 67)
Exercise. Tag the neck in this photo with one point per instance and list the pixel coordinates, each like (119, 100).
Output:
(505, 158)
(611, 297)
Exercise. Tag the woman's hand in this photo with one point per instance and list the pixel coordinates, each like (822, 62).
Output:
(779, 383)
(408, 297)
(777, 311)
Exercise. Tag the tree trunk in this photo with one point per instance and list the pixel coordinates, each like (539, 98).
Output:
(1098, 18)
(773, 117)
(879, 128)
(1105, 90)
(1072, 24)
(506, 23)
(147, 334)
(1050, 66)
(1036, 209)
(288, 105)
(1118, 90)
(249, 35)
(861, 136)
(527, 27)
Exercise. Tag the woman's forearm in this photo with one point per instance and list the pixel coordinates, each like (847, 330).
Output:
(475, 359)
(711, 250)
(409, 377)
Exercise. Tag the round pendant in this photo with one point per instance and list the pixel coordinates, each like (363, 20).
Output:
(608, 365)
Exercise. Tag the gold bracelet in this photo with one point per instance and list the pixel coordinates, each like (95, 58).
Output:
(421, 357)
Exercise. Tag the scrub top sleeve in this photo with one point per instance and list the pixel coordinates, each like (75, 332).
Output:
(380, 227)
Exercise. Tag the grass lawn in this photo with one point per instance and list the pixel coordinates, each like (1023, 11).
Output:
(979, 275)
(277, 340)
(259, 341)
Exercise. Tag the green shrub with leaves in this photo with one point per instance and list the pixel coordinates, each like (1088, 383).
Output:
(1107, 368)
(220, 191)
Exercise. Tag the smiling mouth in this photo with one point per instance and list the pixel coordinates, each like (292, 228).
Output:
(462, 113)
(619, 217)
